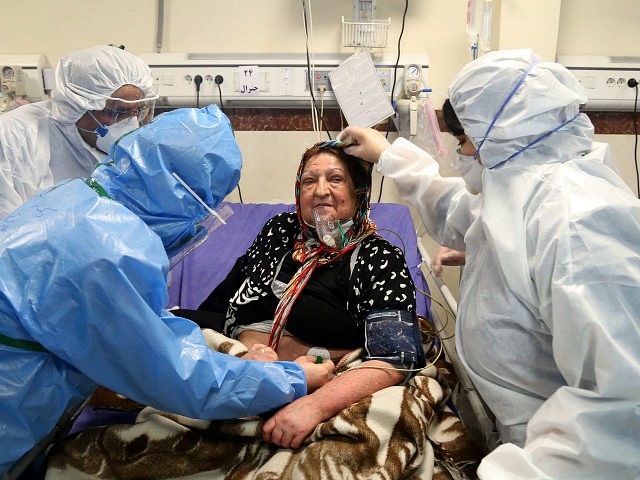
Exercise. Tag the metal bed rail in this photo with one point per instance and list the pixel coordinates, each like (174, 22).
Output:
(481, 422)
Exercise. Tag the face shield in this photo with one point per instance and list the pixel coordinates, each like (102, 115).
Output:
(173, 172)
(203, 228)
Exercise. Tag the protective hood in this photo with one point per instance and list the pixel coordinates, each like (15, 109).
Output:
(540, 97)
(85, 79)
(196, 144)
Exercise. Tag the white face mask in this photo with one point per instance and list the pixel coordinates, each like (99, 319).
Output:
(106, 135)
(470, 171)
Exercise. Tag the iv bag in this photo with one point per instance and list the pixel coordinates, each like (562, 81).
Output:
(474, 17)
(479, 21)
(427, 134)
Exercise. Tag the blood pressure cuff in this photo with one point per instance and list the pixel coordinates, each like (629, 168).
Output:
(393, 336)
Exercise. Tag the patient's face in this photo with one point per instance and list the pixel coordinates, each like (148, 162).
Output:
(325, 181)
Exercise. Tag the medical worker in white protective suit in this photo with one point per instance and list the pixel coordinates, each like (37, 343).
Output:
(84, 285)
(100, 93)
(549, 306)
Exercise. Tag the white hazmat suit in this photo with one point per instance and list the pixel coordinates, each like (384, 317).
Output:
(40, 143)
(548, 323)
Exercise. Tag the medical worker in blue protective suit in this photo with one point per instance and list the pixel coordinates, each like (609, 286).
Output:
(100, 93)
(84, 285)
(549, 306)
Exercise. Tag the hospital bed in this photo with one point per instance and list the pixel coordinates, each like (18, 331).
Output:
(198, 273)
(193, 278)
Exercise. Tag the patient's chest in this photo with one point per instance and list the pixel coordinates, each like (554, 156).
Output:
(320, 315)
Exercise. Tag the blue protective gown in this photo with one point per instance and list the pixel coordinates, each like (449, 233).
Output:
(86, 278)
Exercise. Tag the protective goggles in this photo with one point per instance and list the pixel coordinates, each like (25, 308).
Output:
(118, 109)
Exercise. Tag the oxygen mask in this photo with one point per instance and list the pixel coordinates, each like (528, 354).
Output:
(329, 228)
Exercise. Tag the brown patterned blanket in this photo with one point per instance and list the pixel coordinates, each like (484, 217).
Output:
(400, 432)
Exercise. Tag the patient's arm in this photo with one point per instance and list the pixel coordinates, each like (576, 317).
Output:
(290, 348)
(316, 375)
(293, 423)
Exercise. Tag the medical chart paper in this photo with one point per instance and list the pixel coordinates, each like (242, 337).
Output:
(359, 92)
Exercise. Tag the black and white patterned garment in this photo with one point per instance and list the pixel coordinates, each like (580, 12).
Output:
(331, 309)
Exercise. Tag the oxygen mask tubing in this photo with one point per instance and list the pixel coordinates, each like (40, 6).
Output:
(329, 228)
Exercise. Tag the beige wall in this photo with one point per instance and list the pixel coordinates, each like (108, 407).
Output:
(436, 27)
(598, 27)
(523, 24)
(55, 27)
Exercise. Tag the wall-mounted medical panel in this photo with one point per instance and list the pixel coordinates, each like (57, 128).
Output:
(262, 80)
(21, 75)
(605, 79)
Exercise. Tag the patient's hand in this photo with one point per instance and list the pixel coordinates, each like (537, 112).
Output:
(262, 353)
(293, 423)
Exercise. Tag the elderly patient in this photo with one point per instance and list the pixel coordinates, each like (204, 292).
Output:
(290, 292)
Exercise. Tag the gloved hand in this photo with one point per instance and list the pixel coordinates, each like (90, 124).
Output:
(367, 143)
(317, 374)
(446, 256)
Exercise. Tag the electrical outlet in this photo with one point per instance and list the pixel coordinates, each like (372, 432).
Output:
(321, 79)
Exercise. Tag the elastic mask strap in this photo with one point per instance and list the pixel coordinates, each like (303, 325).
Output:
(497, 115)
(195, 195)
(537, 140)
(101, 130)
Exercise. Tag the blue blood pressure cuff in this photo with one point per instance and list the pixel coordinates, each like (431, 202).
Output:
(393, 336)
